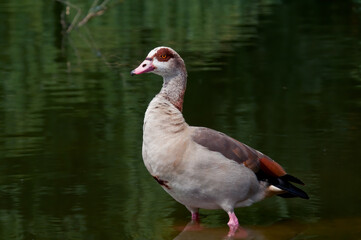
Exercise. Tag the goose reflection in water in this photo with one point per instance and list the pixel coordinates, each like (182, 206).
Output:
(278, 231)
(194, 230)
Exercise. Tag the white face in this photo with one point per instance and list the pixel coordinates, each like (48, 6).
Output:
(161, 61)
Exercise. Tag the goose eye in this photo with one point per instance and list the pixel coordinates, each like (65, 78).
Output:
(163, 56)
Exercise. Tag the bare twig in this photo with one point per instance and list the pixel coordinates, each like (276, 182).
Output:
(91, 15)
(94, 11)
(75, 19)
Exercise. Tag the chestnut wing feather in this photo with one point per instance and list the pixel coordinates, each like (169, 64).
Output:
(237, 151)
(264, 167)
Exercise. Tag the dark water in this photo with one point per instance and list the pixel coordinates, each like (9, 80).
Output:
(281, 76)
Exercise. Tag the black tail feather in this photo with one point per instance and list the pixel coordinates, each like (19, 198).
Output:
(290, 178)
(290, 189)
(283, 183)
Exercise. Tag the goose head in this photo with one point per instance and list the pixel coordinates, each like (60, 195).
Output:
(163, 61)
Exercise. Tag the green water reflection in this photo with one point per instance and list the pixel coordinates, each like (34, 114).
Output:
(281, 76)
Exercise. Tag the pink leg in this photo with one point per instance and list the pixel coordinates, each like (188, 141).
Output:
(233, 224)
(233, 221)
(235, 231)
(195, 216)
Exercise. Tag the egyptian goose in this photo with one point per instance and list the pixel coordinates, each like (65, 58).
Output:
(200, 167)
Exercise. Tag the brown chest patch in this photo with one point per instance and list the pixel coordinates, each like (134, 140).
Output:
(162, 182)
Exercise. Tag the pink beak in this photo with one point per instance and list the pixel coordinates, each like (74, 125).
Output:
(144, 67)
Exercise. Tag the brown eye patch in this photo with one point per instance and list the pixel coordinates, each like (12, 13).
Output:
(164, 55)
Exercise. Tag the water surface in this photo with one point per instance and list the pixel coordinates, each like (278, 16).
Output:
(281, 76)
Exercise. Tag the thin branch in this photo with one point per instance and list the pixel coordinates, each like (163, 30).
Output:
(94, 11)
(75, 19)
(91, 15)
